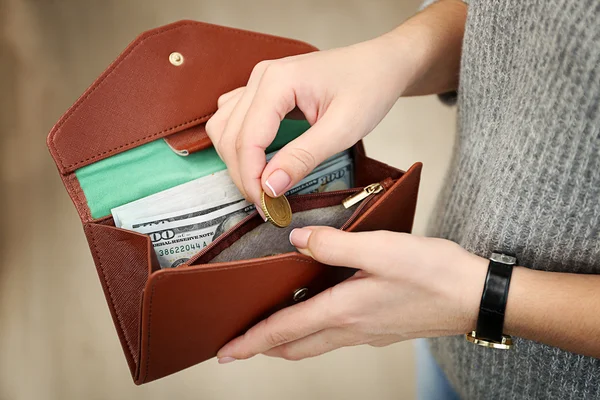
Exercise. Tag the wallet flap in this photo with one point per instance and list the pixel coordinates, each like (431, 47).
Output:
(189, 313)
(166, 81)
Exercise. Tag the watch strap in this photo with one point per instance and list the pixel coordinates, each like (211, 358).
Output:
(492, 309)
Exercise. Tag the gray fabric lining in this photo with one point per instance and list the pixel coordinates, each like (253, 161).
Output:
(267, 239)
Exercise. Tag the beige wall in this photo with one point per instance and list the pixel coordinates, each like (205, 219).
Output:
(57, 340)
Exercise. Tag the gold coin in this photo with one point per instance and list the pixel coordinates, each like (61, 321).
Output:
(277, 210)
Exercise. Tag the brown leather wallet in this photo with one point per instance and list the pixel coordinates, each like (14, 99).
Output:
(171, 319)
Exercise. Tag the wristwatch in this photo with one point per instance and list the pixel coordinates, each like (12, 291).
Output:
(490, 321)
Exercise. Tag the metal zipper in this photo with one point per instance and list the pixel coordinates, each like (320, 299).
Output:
(357, 195)
(364, 197)
(370, 190)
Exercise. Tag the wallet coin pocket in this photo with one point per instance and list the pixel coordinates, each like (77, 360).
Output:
(254, 238)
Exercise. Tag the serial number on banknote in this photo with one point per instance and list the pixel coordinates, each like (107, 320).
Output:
(182, 249)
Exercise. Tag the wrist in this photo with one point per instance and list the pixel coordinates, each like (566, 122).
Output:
(406, 57)
(471, 278)
(392, 60)
(457, 279)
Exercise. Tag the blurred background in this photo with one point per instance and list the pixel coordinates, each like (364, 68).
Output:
(57, 340)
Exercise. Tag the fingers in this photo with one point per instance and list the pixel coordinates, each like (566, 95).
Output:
(227, 144)
(227, 96)
(251, 119)
(362, 250)
(316, 344)
(217, 123)
(273, 100)
(325, 341)
(290, 324)
(299, 157)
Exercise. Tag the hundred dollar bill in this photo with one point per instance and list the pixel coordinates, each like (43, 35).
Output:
(194, 196)
(176, 242)
(186, 214)
(181, 221)
(336, 176)
(208, 189)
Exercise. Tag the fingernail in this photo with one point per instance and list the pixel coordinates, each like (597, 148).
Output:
(225, 360)
(299, 237)
(260, 212)
(278, 182)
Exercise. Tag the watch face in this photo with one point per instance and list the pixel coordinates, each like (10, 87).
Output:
(503, 258)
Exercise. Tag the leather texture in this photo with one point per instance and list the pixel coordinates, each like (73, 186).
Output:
(490, 322)
(142, 96)
(171, 319)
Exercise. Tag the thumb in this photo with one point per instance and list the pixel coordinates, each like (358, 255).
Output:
(298, 158)
(338, 248)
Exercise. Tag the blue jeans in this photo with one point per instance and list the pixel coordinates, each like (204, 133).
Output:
(432, 383)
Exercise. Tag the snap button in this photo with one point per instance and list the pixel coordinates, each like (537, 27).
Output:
(300, 294)
(176, 58)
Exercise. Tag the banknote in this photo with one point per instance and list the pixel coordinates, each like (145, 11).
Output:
(190, 196)
(336, 176)
(208, 189)
(185, 214)
(176, 242)
(181, 221)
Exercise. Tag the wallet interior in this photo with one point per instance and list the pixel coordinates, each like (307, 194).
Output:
(154, 167)
(253, 238)
(268, 240)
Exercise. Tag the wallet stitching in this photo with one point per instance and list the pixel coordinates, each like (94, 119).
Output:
(161, 277)
(108, 289)
(79, 200)
(122, 58)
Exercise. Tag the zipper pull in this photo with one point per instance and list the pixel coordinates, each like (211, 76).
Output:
(372, 189)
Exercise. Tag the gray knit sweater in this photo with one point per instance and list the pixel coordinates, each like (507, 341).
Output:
(525, 177)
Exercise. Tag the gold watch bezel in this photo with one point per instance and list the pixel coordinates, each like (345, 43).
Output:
(506, 344)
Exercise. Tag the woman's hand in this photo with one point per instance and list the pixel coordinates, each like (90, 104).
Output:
(343, 93)
(407, 287)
